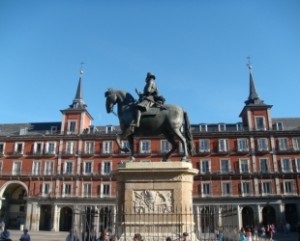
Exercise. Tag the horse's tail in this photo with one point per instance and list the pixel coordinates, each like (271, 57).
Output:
(188, 134)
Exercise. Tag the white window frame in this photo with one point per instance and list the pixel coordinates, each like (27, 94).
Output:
(50, 147)
(288, 184)
(286, 164)
(125, 143)
(70, 147)
(223, 145)
(145, 146)
(246, 188)
(38, 147)
(19, 148)
(279, 126)
(221, 127)
(264, 169)
(244, 162)
(262, 144)
(2, 148)
(243, 144)
(105, 189)
(296, 143)
(89, 147)
(72, 127)
(36, 167)
(206, 189)
(16, 168)
(46, 189)
(49, 167)
(283, 144)
(88, 167)
(260, 123)
(205, 166)
(297, 163)
(203, 127)
(223, 160)
(67, 190)
(264, 186)
(165, 146)
(107, 147)
(87, 188)
(67, 166)
(204, 145)
(226, 188)
(106, 167)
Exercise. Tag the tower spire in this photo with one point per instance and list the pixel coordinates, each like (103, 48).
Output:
(78, 102)
(253, 96)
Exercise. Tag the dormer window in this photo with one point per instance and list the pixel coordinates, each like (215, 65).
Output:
(260, 123)
(109, 129)
(222, 127)
(203, 128)
(72, 127)
(279, 126)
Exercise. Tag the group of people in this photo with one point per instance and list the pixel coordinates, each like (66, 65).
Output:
(268, 232)
(5, 235)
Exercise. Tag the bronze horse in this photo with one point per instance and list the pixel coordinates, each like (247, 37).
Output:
(167, 120)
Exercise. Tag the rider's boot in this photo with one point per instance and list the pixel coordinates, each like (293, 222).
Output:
(138, 118)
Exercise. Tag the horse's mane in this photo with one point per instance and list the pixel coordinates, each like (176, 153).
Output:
(126, 95)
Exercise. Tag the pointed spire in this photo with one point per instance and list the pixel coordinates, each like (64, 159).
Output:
(78, 102)
(253, 96)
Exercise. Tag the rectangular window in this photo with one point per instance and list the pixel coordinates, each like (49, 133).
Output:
(68, 168)
(67, 190)
(279, 126)
(36, 167)
(223, 145)
(46, 189)
(296, 143)
(260, 123)
(18, 148)
(222, 127)
(297, 162)
(72, 127)
(89, 147)
(282, 144)
(38, 148)
(286, 165)
(204, 146)
(244, 166)
(206, 189)
(50, 147)
(288, 187)
(266, 188)
(125, 144)
(145, 146)
(262, 144)
(16, 168)
(1, 148)
(49, 168)
(263, 165)
(87, 190)
(88, 167)
(246, 188)
(105, 190)
(107, 147)
(203, 128)
(225, 166)
(164, 146)
(242, 144)
(106, 167)
(70, 147)
(205, 166)
(226, 188)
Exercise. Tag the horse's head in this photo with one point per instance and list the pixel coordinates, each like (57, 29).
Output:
(111, 99)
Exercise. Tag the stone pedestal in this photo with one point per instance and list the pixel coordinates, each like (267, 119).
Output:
(154, 199)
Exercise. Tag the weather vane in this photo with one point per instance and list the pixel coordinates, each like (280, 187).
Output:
(81, 69)
(249, 63)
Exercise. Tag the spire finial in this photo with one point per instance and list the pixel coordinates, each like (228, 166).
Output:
(249, 63)
(81, 69)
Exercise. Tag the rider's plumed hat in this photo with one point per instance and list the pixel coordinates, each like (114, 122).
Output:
(150, 76)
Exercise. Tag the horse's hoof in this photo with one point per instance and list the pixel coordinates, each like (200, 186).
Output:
(132, 159)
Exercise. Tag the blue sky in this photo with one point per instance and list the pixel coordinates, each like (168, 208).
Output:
(197, 49)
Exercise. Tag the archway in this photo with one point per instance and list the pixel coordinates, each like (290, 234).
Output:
(248, 217)
(269, 215)
(65, 221)
(13, 203)
(291, 215)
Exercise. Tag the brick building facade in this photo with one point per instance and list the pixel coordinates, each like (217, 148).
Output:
(54, 174)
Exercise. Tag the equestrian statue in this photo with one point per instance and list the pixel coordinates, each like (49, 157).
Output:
(149, 116)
